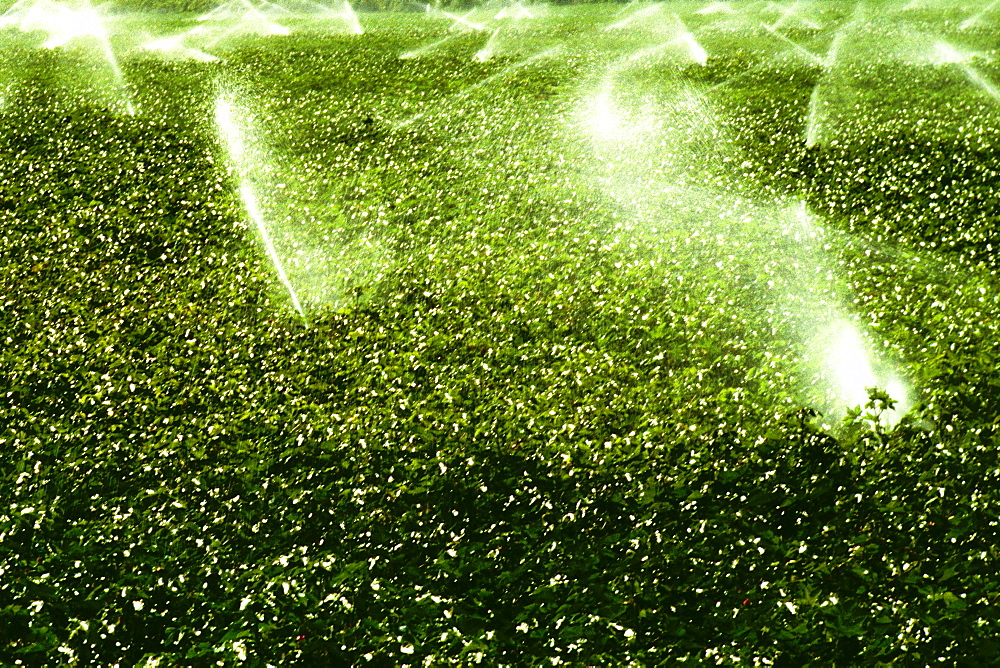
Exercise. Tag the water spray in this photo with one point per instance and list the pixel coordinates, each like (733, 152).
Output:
(233, 137)
(642, 13)
(64, 24)
(464, 22)
(514, 11)
(418, 52)
(486, 52)
(789, 12)
(174, 47)
(507, 71)
(839, 361)
(978, 79)
(350, 17)
(976, 18)
(810, 56)
(814, 118)
(716, 8)
(947, 54)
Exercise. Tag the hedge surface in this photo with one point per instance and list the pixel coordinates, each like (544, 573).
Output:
(528, 442)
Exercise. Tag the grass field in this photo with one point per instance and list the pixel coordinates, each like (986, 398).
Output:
(511, 341)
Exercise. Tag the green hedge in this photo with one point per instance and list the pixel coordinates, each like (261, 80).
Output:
(515, 449)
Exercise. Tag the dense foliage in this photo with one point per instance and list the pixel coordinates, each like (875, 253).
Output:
(530, 434)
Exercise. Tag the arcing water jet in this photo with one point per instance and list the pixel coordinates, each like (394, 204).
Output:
(945, 53)
(651, 161)
(810, 56)
(977, 17)
(233, 137)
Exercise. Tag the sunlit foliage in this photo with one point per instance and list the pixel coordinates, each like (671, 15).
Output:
(542, 408)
